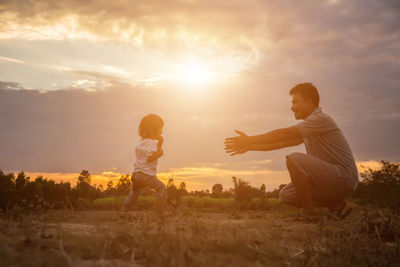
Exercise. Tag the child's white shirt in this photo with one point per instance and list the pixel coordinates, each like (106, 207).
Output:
(144, 149)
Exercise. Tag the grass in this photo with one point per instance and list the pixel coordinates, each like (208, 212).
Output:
(194, 202)
(191, 237)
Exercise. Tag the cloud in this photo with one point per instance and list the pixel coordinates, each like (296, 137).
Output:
(180, 24)
(12, 60)
(272, 40)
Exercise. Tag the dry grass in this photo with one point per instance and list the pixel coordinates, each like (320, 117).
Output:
(187, 237)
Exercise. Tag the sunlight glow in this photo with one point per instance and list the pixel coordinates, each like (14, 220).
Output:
(195, 72)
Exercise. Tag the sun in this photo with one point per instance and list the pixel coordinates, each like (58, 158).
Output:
(195, 72)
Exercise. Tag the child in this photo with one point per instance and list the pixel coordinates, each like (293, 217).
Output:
(148, 150)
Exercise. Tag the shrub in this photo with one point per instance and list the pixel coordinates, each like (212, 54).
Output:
(107, 203)
(83, 204)
(244, 192)
(207, 202)
(381, 187)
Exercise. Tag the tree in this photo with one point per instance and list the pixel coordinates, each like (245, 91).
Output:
(7, 188)
(243, 191)
(124, 185)
(21, 181)
(382, 186)
(216, 190)
(262, 189)
(83, 185)
(173, 195)
(84, 177)
(182, 189)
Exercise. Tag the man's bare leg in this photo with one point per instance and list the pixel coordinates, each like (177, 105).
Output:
(301, 184)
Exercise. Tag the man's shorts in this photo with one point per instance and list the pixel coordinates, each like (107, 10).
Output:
(326, 181)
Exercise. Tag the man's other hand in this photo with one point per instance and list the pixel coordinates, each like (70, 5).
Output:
(237, 144)
(234, 150)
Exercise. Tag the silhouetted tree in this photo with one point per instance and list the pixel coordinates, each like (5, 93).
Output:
(182, 189)
(7, 189)
(173, 194)
(216, 190)
(382, 186)
(84, 177)
(124, 185)
(242, 190)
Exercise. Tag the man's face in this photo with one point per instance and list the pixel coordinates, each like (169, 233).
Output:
(301, 107)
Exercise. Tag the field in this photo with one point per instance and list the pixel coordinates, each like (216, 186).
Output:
(189, 236)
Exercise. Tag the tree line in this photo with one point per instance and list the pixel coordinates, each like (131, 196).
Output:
(380, 187)
(25, 192)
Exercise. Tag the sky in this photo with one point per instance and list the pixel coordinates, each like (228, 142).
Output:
(76, 77)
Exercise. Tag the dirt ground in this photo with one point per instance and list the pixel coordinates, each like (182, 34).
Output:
(187, 237)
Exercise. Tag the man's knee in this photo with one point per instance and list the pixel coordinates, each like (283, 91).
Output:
(294, 157)
(296, 164)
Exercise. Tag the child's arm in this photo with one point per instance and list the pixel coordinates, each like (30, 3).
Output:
(159, 153)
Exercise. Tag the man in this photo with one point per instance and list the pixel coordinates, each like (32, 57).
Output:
(322, 177)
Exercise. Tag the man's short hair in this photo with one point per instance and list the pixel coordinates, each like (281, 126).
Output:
(307, 91)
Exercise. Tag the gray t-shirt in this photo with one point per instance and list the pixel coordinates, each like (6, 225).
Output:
(323, 139)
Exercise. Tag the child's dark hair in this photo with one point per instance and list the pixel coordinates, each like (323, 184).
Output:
(149, 124)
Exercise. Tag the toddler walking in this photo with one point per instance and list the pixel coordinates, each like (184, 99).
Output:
(148, 151)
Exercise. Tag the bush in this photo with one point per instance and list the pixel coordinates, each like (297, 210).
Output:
(114, 203)
(380, 187)
(244, 192)
(108, 203)
(207, 202)
(83, 204)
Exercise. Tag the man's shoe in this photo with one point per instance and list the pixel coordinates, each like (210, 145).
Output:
(339, 212)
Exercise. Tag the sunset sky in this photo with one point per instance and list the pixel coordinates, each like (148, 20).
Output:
(76, 77)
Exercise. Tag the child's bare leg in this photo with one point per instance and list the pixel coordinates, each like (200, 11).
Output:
(161, 191)
(132, 196)
(130, 200)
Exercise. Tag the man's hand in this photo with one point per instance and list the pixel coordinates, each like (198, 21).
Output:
(236, 145)
(237, 140)
(156, 155)
(234, 150)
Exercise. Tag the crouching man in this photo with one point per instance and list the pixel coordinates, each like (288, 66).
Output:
(327, 174)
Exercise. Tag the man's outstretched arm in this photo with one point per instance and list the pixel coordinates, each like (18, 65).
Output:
(274, 136)
(237, 149)
(275, 146)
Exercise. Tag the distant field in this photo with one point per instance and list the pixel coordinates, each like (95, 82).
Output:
(189, 237)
